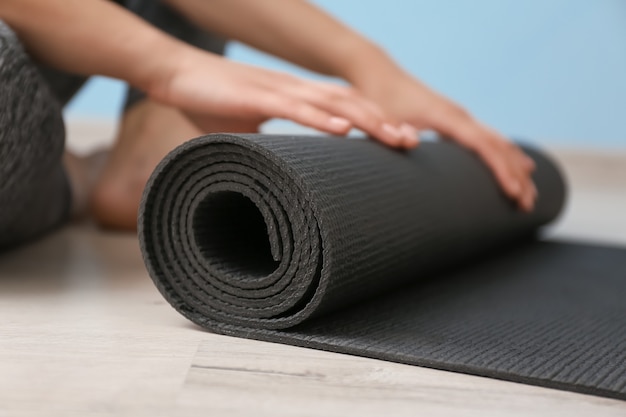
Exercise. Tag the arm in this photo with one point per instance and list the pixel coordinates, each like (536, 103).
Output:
(301, 33)
(89, 37)
(294, 30)
(99, 37)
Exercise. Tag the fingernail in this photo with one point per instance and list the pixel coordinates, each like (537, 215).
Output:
(410, 134)
(392, 130)
(339, 122)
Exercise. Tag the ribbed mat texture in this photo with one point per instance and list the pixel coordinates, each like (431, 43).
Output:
(413, 257)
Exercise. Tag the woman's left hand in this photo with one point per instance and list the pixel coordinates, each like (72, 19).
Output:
(408, 100)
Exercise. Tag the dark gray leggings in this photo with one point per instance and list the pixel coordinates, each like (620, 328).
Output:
(35, 195)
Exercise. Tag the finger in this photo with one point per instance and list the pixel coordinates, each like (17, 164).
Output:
(526, 198)
(500, 166)
(518, 166)
(530, 196)
(411, 136)
(363, 114)
(523, 167)
(299, 111)
(524, 160)
(528, 201)
(527, 161)
(490, 147)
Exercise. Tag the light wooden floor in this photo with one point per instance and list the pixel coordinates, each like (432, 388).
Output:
(85, 333)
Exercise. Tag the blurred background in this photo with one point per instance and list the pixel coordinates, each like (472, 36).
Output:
(550, 70)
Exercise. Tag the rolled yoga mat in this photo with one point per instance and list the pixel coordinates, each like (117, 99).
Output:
(413, 257)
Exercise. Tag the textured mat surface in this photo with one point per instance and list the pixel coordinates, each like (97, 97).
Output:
(416, 257)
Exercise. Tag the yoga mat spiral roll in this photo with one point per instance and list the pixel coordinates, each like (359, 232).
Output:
(266, 232)
(350, 246)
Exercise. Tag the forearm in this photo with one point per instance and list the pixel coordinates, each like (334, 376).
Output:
(90, 37)
(291, 29)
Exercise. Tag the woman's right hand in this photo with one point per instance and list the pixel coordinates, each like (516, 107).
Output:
(206, 86)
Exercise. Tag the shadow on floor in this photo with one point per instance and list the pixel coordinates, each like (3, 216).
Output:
(77, 255)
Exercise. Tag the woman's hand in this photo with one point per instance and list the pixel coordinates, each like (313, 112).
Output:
(408, 100)
(207, 86)
(321, 43)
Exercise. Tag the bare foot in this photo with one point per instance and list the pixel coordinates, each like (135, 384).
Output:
(148, 132)
(82, 172)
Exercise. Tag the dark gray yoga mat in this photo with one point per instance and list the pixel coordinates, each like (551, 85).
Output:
(413, 257)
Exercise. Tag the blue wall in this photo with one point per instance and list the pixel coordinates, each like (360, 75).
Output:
(548, 69)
